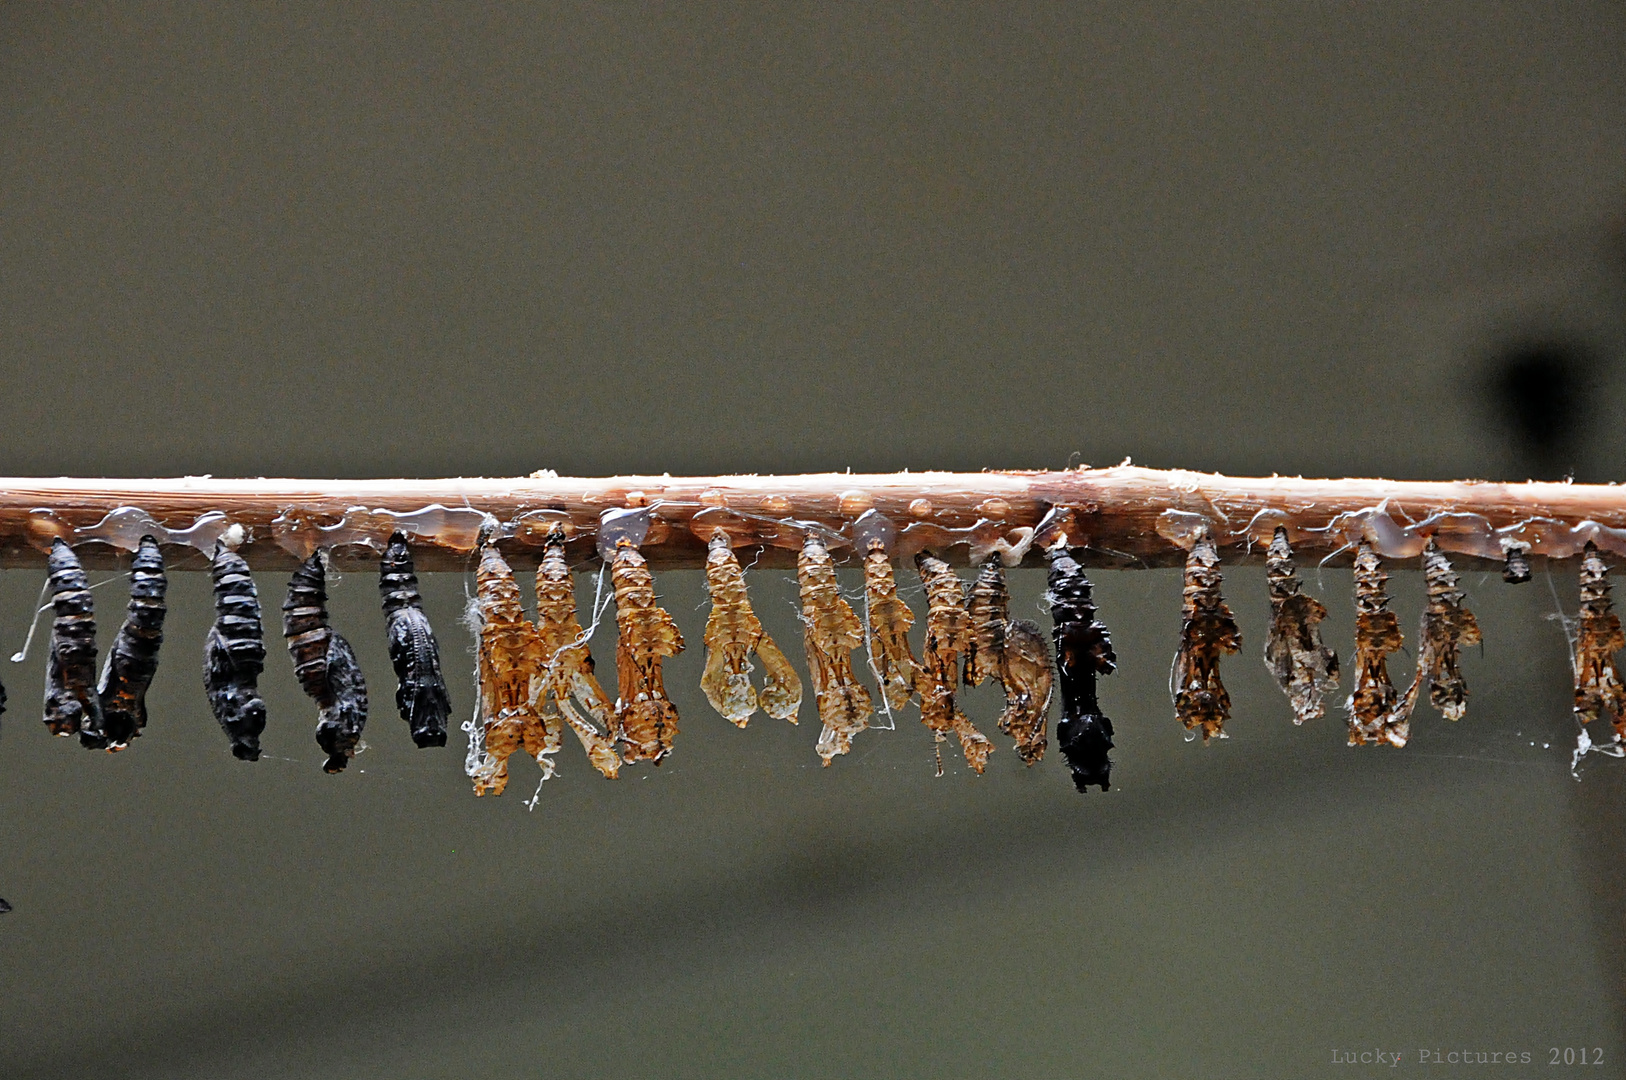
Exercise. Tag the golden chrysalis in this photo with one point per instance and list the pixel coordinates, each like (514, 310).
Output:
(571, 688)
(830, 633)
(733, 633)
(948, 635)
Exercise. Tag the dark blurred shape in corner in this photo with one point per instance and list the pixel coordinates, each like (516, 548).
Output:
(1539, 391)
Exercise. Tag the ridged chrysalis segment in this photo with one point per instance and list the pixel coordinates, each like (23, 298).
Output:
(133, 659)
(948, 636)
(511, 667)
(571, 687)
(1377, 713)
(1025, 672)
(889, 618)
(1304, 668)
(325, 665)
(1083, 652)
(645, 636)
(70, 668)
(1598, 688)
(733, 633)
(1207, 631)
(234, 656)
(420, 690)
(1446, 627)
(830, 633)
(990, 609)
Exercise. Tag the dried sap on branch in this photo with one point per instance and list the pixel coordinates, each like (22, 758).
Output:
(70, 668)
(1083, 652)
(1305, 669)
(325, 664)
(830, 633)
(420, 691)
(646, 635)
(889, 619)
(571, 688)
(510, 666)
(1598, 688)
(133, 659)
(948, 636)
(733, 633)
(1207, 631)
(234, 656)
(1377, 714)
(1446, 627)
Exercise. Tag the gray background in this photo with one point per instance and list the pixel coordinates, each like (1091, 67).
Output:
(430, 240)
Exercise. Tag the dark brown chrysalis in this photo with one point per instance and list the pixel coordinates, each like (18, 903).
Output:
(133, 659)
(1305, 669)
(234, 655)
(1377, 714)
(1516, 565)
(1598, 688)
(420, 692)
(990, 608)
(1083, 652)
(1446, 627)
(1207, 631)
(70, 667)
(325, 664)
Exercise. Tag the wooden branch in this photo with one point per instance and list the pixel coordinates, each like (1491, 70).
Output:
(1124, 516)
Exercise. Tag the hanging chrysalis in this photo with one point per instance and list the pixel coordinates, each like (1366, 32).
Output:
(830, 633)
(571, 686)
(234, 655)
(1207, 631)
(1376, 712)
(1598, 688)
(733, 633)
(1305, 669)
(1516, 565)
(325, 665)
(133, 659)
(645, 636)
(1025, 672)
(990, 609)
(1447, 626)
(510, 672)
(888, 617)
(70, 667)
(948, 635)
(420, 691)
(1083, 652)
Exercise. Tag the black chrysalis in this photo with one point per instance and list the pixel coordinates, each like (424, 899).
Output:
(1083, 651)
(420, 692)
(234, 656)
(133, 659)
(70, 668)
(1516, 566)
(325, 664)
